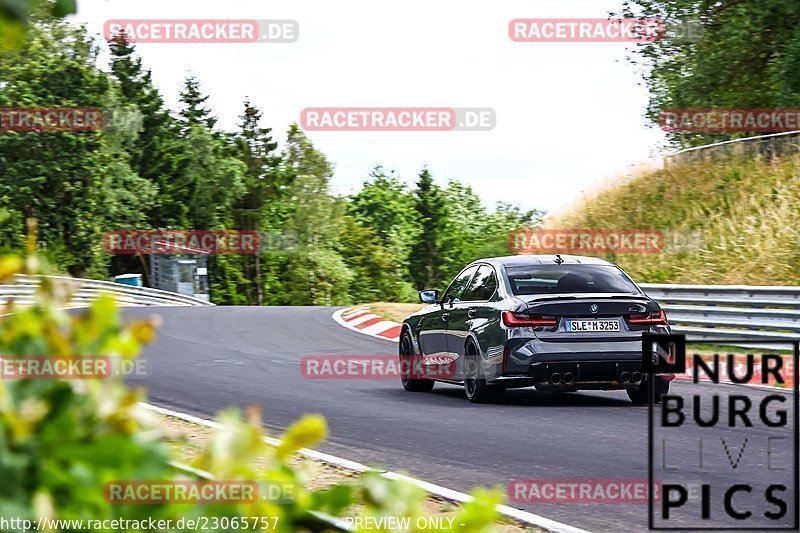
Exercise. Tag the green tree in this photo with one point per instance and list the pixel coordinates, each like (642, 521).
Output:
(216, 179)
(474, 232)
(147, 168)
(432, 249)
(316, 217)
(212, 179)
(747, 56)
(16, 17)
(211, 173)
(262, 183)
(316, 274)
(127, 197)
(65, 180)
(157, 151)
(387, 206)
(375, 276)
(193, 111)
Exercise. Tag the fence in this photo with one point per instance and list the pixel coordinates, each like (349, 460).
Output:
(730, 311)
(84, 291)
(764, 146)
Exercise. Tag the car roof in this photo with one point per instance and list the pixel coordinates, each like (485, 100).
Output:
(526, 260)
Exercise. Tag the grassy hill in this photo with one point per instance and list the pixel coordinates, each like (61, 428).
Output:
(745, 212)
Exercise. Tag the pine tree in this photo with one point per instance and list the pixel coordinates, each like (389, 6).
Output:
(261, 180)
(193, 111)
(430, 251)
(157, 153)
(257, 150)
(211, 172)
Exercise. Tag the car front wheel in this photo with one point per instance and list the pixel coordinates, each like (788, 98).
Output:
(407, 365)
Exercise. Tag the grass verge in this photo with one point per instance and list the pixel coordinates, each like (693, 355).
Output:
(396, 312)
(186, 440)
(734, 221)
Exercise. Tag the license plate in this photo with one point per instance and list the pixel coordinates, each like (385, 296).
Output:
(592, 325)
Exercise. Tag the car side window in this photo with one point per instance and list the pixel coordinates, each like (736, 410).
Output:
(456, 289)
(482, 286)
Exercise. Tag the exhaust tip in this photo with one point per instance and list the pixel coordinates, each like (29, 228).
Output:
(555, 378)
(568, 378)
(625, 377)
(636, 377)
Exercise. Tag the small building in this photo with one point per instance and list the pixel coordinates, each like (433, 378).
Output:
(184, 273)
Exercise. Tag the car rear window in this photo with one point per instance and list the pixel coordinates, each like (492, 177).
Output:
(565, 279)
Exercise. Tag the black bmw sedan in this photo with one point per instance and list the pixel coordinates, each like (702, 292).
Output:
(555, 323)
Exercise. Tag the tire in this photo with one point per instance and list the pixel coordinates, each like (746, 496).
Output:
(409, 384)
(475, 387)
(639, 396)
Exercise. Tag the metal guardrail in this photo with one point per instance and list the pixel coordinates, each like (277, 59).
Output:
(764, 146)
(740, 312)
(84, 291)
(737, 312)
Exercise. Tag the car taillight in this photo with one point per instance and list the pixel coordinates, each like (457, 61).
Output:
(656, 318)
(517, 320)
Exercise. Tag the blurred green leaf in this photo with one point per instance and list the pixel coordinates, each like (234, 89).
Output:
(62, 8)
(304, 433)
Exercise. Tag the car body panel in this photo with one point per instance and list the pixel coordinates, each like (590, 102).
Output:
(431, 333)
(528, 356)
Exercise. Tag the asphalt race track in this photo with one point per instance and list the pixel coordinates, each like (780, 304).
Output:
(208, 358)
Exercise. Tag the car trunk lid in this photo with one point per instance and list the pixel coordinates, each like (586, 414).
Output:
(589, 317)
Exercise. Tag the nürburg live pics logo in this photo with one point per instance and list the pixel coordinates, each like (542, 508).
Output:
(723, 442)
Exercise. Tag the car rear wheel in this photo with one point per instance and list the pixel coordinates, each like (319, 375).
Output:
(639, 395)
(475, 387)
(406, 368)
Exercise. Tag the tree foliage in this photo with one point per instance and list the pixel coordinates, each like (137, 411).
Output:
(150, 167)
(740, 54)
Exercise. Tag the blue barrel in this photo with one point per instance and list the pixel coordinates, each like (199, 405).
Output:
(129, 279)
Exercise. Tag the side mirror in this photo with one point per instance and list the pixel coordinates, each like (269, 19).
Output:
(429, 296)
